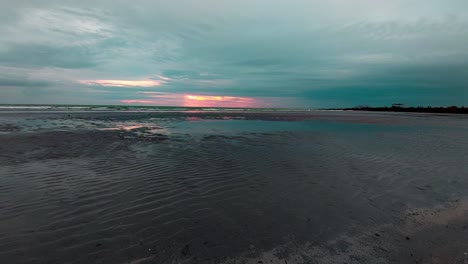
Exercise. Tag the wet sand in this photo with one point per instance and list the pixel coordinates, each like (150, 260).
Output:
(233, 187)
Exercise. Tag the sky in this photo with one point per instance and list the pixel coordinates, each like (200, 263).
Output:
(242, 53)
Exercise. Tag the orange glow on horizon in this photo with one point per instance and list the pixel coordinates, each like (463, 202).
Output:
(215, 98)
(191, 100)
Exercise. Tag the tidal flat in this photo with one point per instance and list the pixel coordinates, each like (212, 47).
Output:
(233, 187)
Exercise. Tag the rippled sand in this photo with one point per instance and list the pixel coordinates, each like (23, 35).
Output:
(197, 187)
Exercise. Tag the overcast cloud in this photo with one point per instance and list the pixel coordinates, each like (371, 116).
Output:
(299, 53)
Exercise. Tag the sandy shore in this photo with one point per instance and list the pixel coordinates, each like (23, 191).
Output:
(233, 187)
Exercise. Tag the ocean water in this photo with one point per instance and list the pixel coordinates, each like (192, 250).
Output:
(232, 187)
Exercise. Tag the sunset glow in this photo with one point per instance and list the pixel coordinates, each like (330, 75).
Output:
(122, 83)
(217, 98)
(191, 100)
(218, 101)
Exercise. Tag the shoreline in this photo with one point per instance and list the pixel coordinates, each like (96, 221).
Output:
(432, 110)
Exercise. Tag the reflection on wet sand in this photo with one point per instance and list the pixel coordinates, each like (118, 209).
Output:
(232, 188)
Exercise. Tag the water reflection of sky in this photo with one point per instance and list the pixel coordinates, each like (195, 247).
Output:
(204, 126)
(236, 124)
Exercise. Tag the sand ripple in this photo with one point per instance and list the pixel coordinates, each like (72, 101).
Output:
(93, 196)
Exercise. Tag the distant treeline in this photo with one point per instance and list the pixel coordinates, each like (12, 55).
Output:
(418, 109)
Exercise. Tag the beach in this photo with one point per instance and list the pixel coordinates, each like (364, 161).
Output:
(218, 186)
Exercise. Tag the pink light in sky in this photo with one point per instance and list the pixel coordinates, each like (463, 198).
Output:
(191, 100)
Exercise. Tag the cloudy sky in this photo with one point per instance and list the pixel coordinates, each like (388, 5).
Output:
(247, 53)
